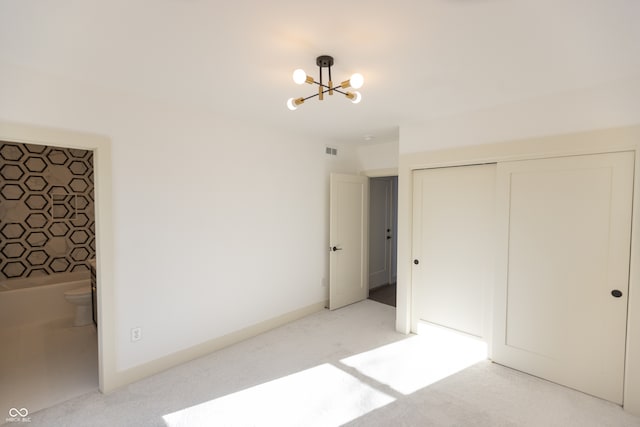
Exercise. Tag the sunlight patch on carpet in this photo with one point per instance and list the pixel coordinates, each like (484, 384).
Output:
(320, 396)
(414, 363)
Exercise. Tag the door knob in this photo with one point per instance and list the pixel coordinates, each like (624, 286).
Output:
(616, 293)
(416, 262)
(335, 248)
(388, 237)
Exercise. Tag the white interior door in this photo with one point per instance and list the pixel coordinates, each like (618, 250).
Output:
(453, 237)
(349, 203)
(563, 253)
(381, 231)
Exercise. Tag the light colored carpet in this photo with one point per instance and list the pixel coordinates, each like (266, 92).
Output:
(349, 367)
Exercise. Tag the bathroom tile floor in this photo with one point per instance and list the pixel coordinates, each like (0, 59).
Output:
(45, 364)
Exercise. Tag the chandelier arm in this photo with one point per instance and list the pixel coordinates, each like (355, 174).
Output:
(325, 91)
(336, 90)
(328, 88)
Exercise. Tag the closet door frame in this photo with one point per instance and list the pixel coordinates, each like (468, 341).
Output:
(595, 142)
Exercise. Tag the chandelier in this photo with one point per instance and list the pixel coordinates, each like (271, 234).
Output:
(326, 61)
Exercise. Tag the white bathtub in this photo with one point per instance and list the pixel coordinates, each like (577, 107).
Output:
(38, 299)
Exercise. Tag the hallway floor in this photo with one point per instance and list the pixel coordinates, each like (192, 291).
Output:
(385, 294)
(43, 364)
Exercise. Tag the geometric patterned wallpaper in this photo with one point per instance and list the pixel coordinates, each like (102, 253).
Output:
(47, 221)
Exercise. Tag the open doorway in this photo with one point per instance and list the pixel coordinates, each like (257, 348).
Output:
(47, 254)
(100, 146)
(383, 241)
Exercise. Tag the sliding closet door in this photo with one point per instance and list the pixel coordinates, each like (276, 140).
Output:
(453, 240)
(563, 264)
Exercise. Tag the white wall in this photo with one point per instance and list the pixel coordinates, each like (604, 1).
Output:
(614, 104)
(378, 156)
(217, 225)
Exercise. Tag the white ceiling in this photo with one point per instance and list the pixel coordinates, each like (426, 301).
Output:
(422, 59)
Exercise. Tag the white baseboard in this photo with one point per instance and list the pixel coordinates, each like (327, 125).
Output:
(123, 378)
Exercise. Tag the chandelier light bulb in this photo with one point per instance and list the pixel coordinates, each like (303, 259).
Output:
(357, 98)
(299, 76)
(356, 81)
(293, 103)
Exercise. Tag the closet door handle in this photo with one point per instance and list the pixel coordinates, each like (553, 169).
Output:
(616, 293)
(335, 248)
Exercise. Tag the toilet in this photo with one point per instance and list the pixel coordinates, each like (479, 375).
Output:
(81, 298)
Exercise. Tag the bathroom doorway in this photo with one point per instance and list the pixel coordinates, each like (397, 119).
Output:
(47, 223)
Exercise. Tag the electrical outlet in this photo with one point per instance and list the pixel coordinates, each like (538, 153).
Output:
(136, 334)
